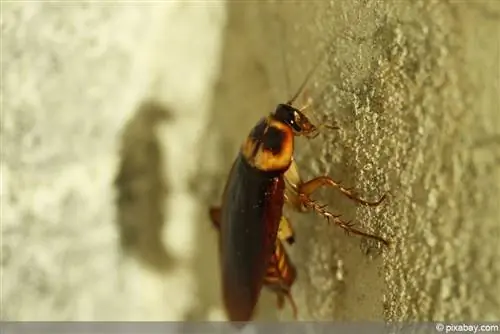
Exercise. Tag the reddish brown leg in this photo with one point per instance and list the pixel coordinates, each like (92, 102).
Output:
(298, 195)
(214, 213)
(280, 296)
(280, 301)
(347, 226)
(307, 188)
(281, 274)
(294, 306)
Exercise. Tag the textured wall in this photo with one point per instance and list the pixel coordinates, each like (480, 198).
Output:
(414, 87)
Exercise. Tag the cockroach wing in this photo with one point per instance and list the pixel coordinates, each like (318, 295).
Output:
(250, 214)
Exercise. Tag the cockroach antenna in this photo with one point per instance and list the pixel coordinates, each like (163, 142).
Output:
(306, 80)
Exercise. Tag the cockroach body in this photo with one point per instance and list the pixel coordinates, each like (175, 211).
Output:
(281, 273)
(262, 178)
(280, 276)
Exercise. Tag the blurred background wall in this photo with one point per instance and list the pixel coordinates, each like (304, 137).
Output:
(102, 106)
(120, 122)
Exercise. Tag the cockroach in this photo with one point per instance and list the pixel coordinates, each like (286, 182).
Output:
(262, 177)
(281, 273)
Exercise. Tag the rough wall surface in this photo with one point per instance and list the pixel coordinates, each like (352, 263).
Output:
(414, 88)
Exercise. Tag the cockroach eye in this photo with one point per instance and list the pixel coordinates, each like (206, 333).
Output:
(295, 126)
(286, 114)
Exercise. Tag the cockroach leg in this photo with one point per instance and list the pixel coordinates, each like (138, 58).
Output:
(292, 303)
(281, 302)
(307, 188)
(280, 296)
(292, 176)
(292, 181)
(214, 213)
(285, 231)
(348, 226)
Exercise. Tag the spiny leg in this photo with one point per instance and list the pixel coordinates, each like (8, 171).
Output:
(294, 306)
(347, 226)
(280, 277)
(307, 188)
(281, 288)
(298, 196)
(280, 300)
(289, 296)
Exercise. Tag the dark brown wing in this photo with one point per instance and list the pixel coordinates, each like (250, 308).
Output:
(280, 273)
(249, 218)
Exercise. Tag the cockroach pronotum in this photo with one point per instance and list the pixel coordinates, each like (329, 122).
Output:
(263, 177)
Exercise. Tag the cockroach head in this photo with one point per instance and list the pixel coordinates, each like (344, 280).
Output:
(294, 118)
